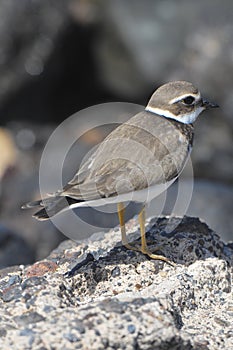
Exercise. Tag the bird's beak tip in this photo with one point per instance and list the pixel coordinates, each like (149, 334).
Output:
(214, 105)
(207, 104)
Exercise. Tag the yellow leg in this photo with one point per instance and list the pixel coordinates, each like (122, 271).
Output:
(121, 216)
(144, 247)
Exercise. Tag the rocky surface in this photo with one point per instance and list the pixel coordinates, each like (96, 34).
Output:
(119, 299)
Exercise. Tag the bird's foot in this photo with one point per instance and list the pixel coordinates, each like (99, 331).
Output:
(151, 255)
(146, 251)
(135, 248)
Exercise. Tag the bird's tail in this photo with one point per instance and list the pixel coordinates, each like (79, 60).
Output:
(49, 206)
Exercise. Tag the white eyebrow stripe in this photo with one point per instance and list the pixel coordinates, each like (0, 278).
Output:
(174, 100)
(160, 111)
(184, 118)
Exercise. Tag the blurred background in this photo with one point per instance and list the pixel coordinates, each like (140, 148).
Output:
(60, 56)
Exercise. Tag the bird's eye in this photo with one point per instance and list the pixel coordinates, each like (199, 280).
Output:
(188, 100)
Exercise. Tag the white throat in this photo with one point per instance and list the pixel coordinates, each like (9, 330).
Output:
(188, 118)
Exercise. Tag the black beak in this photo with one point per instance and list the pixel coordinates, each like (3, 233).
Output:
(207, 104)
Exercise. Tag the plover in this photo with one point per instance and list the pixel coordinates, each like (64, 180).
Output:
(137, 160)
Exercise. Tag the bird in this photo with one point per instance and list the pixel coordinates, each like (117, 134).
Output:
(136, 161)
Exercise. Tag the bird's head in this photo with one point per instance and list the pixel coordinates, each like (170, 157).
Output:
(178, 100)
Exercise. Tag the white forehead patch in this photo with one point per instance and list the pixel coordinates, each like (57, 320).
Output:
(179, 98)
(187, 118)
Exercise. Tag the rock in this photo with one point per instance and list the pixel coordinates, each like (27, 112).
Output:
(47, 66)
(25, 51)
(120, 299)
(210, 201)
(143, 36)
(14, 249)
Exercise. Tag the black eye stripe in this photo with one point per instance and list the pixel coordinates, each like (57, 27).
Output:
(188, 100)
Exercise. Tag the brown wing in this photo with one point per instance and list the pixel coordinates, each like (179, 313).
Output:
(146, 150)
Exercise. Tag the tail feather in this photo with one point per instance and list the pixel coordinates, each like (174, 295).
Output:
(41, 215)
(49, 206)
(32, 204)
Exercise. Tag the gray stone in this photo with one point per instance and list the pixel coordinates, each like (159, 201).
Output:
(211, 201)
(25, 50)
(14, 249)
(123, 300)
